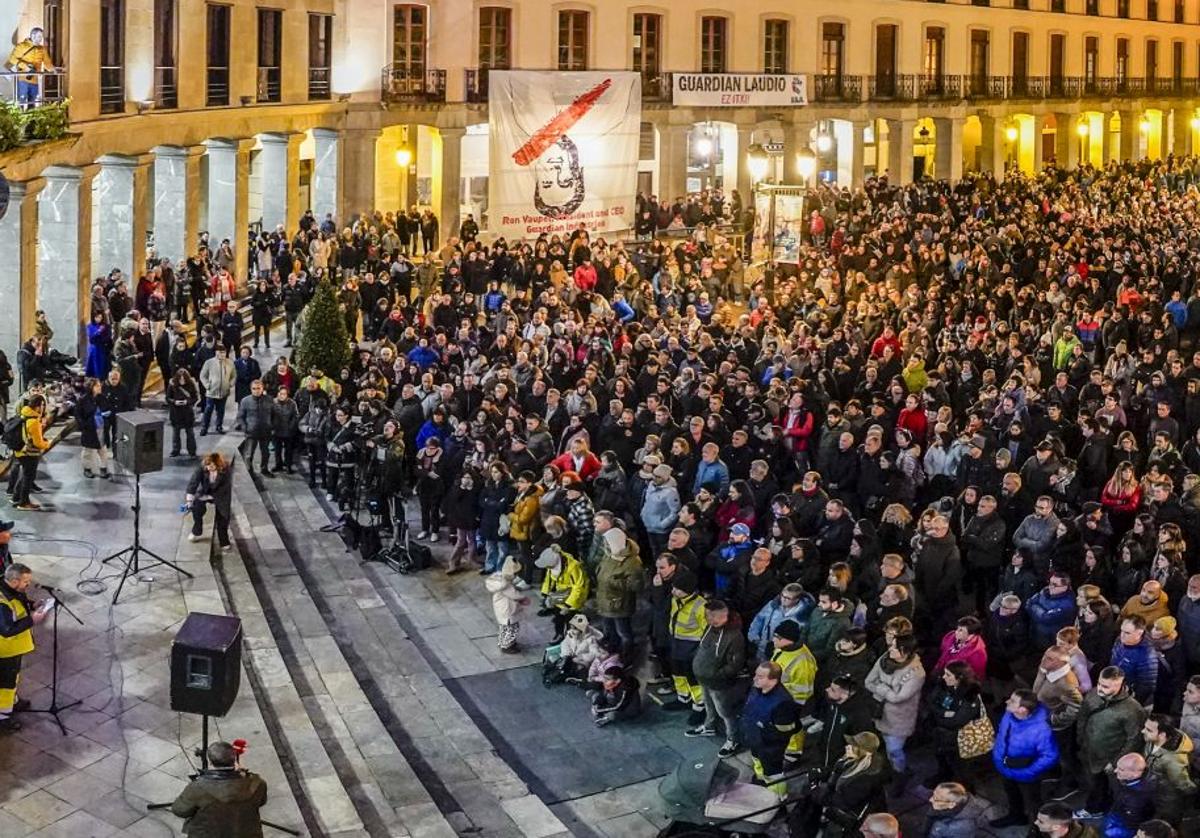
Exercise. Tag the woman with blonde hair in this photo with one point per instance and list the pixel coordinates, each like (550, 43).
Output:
(212, 483)
(1121, 497)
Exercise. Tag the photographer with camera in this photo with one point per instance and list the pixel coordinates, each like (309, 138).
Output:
(385, 470)
(222, 802)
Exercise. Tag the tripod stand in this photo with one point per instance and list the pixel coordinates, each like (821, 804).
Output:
(55, 708)
(134, 551)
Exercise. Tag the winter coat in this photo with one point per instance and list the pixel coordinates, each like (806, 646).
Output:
(525, 514)
(582, 647)
(973, 652)
(950, 710)
(983, 538)
(720, 654)
(220, 803)
(217, 376)
(285, 419)
(618, 580)
(1036, 535)
(937, 571)
(1140, 665)
(494, 501)
(460, 507)
(900, 694)
(1188, 617)
(1132, 803)
(86, 411)
(825, 630)
(762, 627)
(1048, 614)
(660, 507)
(181, 405)
(1174, 788)
(255, 415)
(1021, 741)
(951, 823)
(570, 584)
(506, 598)
(1059, 692)
(1107, 728)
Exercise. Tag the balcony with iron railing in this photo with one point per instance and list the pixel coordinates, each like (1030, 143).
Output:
(33, 89)
(834, 88)
(412, 85)
(656, 86)
(166, 94)
(112, 89)
(319, 88)
(270, 85)
(217, 87)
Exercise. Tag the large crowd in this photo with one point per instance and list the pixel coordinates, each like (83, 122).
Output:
(937, 484)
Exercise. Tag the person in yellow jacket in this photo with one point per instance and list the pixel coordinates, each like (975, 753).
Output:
(30, 453)
(799, 672)
(564, 588)
(17, 618)
(686, 626)
(30, 56)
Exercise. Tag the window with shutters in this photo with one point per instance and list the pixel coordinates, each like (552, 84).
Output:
(775, 46)
(573, 26)
(713, 44)
(495, 38)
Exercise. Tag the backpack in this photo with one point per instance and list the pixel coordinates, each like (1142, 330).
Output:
(14, 433)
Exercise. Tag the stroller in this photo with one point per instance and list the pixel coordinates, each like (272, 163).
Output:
(706, 799)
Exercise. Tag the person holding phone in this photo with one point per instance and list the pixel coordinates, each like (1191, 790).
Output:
(18, 616)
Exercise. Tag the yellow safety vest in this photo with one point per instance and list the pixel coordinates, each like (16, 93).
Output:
(687, 618)
(799, 671)
(22, 642)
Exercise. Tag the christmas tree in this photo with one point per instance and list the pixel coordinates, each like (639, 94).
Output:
(324, 341)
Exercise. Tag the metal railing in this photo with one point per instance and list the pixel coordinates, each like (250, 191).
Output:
(837, 88)
(476, 85)
(270, 84)
(407, 84)
(33, 89)
(318, 83)
(217, 87)
(166, 94)
(112, 89)
(656, 87)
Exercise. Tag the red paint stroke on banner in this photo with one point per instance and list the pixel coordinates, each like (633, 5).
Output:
(564, 121)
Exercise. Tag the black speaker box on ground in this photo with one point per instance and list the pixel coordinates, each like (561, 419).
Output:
(206, 664)
(139, 443)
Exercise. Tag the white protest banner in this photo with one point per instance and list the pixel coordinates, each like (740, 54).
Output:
(730, 90)
(564, 151)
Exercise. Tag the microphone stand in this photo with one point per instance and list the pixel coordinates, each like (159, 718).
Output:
(55, 708)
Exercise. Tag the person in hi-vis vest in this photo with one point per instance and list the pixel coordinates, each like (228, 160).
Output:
(17, 619)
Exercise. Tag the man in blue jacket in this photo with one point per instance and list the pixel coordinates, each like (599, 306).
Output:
(1134, 655)
(1025, 752)
(1050, 609)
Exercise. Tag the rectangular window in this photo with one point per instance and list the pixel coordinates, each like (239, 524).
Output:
(1059, 6)
(1020, 4)
(218, 55)
(833, 42)
(573, 28)
(979, 59)
(1091, 62)
(1058, 53)
(408, 40)
(775, 46)
(1151, 9)
(885, 60)
(166, 40)
(713, 33)
(1122, 61)
(981, 2)
(1151, 61)
(1123, 8)
(1179, 11)
(1020, 62)
(934, 61)
(270, 54)
(112, 56)
(495, 38)
(1177, 63)
(1092, 7)
(320, 55)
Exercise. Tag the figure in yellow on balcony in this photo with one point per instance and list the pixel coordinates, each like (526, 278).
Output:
(30, 56)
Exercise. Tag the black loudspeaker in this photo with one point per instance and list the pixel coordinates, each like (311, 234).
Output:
(139, 443)
(206, 664)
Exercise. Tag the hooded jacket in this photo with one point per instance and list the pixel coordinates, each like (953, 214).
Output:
(660, 507)
(582, 646)
(619, 577)
(762, 627)
(1025, 740)
(222, 802)
(1174, 788)
(721, 654)
(506, 598)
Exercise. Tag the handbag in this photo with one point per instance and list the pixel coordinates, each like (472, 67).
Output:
(977, 737)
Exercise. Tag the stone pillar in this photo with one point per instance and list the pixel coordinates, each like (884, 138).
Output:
(745, 181)
(900, 151)
(358, 159)
(796, 138)
(1038, 146)
(948, 162)
(324, 186)
(992, 146)
(858, 154)
(273, 180)
(64, 251)
(672, 164)
(1129, 135)
(176, 197)
(119, 214)
(241, 212)
(1066, 140)
(18, 279)
(221, 222)
(142, 173)
(1181, 131)
(450, 199)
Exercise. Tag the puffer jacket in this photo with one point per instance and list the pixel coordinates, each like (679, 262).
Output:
(1048, 614)
(571, 580)
(660, 507)
(618, 580)
(1188, 617)
(524, 515)
(506, 598)
(1140, 665)
(720, 654)
(1022, 740)
(1174, 788)
(35, 442)
(763, 626)
(951, 823)
(582, 647)
(900, 694)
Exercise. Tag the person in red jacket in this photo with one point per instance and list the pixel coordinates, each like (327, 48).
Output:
(579, 459)
(797, 425)
(888, 338)
(585, 276)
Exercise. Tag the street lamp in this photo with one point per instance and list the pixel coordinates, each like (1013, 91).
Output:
(1010, 133)
(806, 165)
(403, 157)
(704, 146)
(757, 162)
(1083, 129)
(824, 143)
(1144, 125)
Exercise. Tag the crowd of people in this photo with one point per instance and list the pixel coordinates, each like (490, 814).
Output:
(937, 484)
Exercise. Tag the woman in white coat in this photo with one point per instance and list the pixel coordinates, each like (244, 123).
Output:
(895, 682)
(508, 602)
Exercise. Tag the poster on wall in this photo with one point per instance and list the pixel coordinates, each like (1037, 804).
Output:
(789, 226)
(564, 151)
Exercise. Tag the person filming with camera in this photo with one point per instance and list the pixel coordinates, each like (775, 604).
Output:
(223, 801)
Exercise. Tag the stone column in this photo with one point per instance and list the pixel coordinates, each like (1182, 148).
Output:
(858, 153)
(114, 243)
(948, 162)
(1066, 140)
(324, 187)
(450, 200)
(900, 151)
(241, 212)
(18, 279)
(64, 250)
(358, 159)
(672, 165)
(273, 180)
(1181, 131)
(1038, 149)
(176, 197)
(992, 146)
(221, 222)
(1129, 135)
(745, 181)
(796, 138)
(294, 210)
